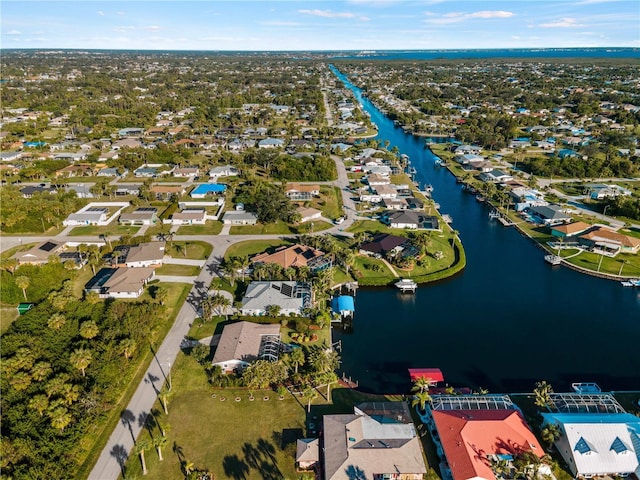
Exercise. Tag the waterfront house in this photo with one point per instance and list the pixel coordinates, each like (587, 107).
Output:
(569, 230)
(383, 244)
(550, 214)
(411, 220)
(377, 441)
(292, 298)
(242, 343)
(609, 242)
(475, 431)
(307, 453)
(295, 256)
(495, 176)
(597, 437)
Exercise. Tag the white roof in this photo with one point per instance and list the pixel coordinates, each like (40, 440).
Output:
(600, 443)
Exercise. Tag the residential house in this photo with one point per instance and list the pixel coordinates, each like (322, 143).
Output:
(307, 453)
(208, 189)
(147, 171)
(242, 343)
(526, 198)
(377, 441)
(495, 176)
(569, 230)
(82, 190)
(189, 216)
(550, 214)
(109, 172)
(412, 220)
(87, 216)
(120, 282)
(140, 216)
(239, 217)
(145, 255)
(28, 191)
(271, 143)
(292, 298)
(131, 132)
(167, 192)
(185, 172)
(609, 242)
(600, 192)
(223, 171)
(375, 180)
(39, 254)
(128, 189)
(597, 442)
(295, 256)
(474, 431)
(301, 192)
(382, 244)
(308, 214)
(126, 143)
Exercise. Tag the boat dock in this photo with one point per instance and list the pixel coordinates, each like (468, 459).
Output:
(406, 285)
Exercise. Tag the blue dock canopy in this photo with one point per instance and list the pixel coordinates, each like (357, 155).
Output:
(343, 304)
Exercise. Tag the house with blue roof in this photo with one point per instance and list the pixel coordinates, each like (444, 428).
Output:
(567, 153)
(208, 189)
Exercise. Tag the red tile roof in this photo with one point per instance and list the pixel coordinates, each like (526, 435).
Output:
(469, 436)
(433, 374)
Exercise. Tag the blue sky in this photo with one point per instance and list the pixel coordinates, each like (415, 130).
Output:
(319, 25)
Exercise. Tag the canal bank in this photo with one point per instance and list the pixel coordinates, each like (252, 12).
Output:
(505, 322)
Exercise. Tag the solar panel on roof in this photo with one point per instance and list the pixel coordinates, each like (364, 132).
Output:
(48, 246)
(146, 209)
(286, 290)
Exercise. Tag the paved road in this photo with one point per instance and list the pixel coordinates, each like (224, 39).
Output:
(120, 444)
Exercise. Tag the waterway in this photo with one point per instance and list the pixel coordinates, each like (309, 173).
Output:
(508, 320)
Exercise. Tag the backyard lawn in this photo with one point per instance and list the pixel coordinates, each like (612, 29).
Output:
(234, 439)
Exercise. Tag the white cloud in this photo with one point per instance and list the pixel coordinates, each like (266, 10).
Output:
(327, 13)
(121, 13)
(14, 32)
(562, 23)
(152, 28)
(124, 28)
(594, 2)
(101, 13)
(279, 23)
(457, 17)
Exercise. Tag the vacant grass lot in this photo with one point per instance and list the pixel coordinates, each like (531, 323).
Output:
(110, 230)
(251, 247)
(209, 228)
(234, 439)
(181, 270)
(196, 250)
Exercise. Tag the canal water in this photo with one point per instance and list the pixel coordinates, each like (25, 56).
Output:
(508, 320)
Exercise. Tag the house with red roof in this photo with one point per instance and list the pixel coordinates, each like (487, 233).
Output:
(475, 431)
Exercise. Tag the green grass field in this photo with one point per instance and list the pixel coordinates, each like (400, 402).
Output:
(181, 270)
(112, 231)
(209, 228)
(251, 247)
(195, 250)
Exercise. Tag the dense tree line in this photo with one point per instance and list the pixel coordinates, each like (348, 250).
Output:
(35, 214)
(579, 167)
(65, 364)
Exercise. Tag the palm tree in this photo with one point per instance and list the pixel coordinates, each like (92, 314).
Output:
(141, 447)
(89, 329)
(161, 294)
(188, 467)
(56, 321)
(422, 384)
(421, 399)
(542, 394)
(297, 358)
(10, 265)
(39, 403)
(81, 359)
(160, 443)
(128, 347)
(550, 433)
(60, 418)
(164, 398)
(41, 371)
(23, 282)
